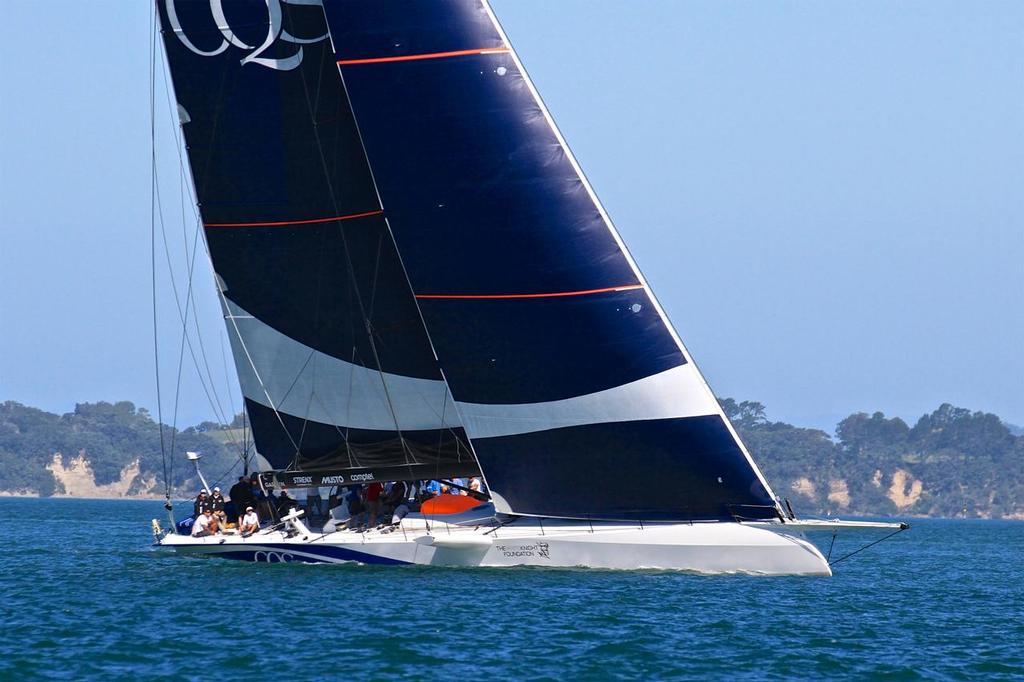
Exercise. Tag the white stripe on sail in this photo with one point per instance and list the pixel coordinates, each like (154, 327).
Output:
(303, 382)
(710, 397)
(676, 392)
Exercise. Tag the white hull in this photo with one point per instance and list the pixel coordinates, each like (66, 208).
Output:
(699, 547)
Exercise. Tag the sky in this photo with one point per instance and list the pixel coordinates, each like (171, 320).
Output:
(825, 197)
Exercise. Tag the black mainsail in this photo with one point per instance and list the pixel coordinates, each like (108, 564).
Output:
(334, 363)
(411, 260)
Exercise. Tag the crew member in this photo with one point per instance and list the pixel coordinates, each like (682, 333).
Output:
(430, 489)
(285, 502)
(241, 495)
(201, 525)
(373, 493)
(202, 503)
(395, 496)
(250, 522)
(217, 506)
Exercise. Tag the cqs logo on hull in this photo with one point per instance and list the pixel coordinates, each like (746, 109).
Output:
(272, 557)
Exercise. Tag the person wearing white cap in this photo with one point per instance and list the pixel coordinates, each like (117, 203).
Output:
(250, 522)
(217, 505)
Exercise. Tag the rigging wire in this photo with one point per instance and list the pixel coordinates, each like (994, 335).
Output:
(401, 262)
(350, 268)
(185, 188)
(157, 215)
(234, 414)
(204, 373)
(225, 304)
(245, 440)
(184, 313)
(231, 317)
(152, 234)
(348, 406)
(309, 403)
(252, 365)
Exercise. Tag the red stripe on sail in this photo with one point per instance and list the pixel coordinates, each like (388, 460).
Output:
(430, 55)
(284, 223)
(557, 294)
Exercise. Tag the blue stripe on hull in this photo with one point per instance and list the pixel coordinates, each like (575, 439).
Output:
(283, 553)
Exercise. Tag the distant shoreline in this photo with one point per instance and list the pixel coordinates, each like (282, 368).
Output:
(128, 498)
(910, 517)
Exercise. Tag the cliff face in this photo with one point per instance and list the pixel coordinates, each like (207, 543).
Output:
(77, 479)
(951, 463)
(99, 450)
(904, 494)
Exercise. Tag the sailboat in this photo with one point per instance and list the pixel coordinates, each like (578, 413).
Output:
(420, 284)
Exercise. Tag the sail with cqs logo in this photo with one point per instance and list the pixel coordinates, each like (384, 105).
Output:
(416, 274)
(419, 284)
(334, 363)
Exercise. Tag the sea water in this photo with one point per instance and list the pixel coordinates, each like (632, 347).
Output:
(83, 595)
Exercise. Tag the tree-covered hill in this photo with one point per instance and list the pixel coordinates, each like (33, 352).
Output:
(952, 462)
(116, 445)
